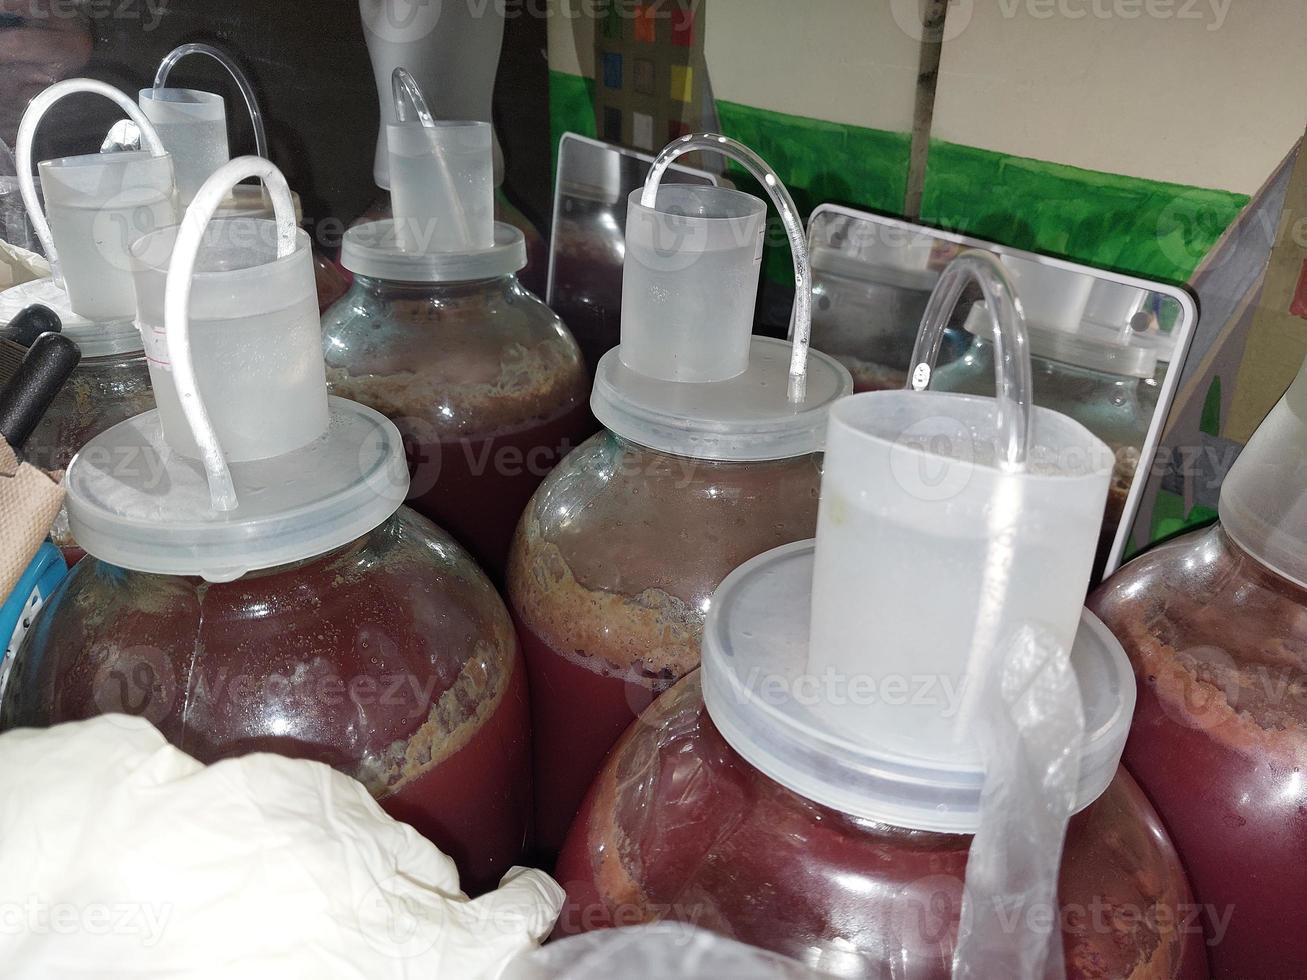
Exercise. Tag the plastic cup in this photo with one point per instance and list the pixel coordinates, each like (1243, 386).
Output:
(193, 126)
(689, 282)
(98, 206)
(255, 338)
(1053, 297)
(918, 517)
(442, 185)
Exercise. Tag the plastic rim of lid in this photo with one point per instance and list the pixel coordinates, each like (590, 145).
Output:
(748, 418)
(1079, 349)
(133, 502)
(749, 688)
(371, 250)
(96, 338)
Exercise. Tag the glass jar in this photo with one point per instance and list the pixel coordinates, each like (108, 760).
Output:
(102, 392)
(1218, 642)
(609, 580)
(486, 386)
(1108, 405)
(391, 659)
(679, 827)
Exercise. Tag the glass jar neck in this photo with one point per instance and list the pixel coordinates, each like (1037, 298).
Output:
(463, 289)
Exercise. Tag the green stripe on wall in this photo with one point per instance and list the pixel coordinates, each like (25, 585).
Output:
(1144, 227)
(571, 110)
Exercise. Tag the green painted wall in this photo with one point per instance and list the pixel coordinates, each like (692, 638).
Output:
(1144, 227)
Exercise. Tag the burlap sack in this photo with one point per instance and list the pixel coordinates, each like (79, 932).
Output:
(29, 501)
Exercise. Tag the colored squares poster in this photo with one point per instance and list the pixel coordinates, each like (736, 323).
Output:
(652, 83)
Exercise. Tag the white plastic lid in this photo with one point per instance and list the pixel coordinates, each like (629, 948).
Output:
(136, 501)
(156, 516)
(688, 377)
(373, 250)
(96, 338)
(1263, 503)
(746, 418)
(761, 696)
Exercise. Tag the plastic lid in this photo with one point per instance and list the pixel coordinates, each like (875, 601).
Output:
(748, 417)
(372, 249)
(1263, 503)
(331, 469)
(761, 696)
(96, 338)
(156, 516)
(1091, 346)
(688, 376)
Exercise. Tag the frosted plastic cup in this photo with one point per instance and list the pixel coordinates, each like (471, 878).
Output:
(193, 126)
(1053, 297)
(96, 206)
(698, 250)
(916, 515)
(255, 338)
(442, 185)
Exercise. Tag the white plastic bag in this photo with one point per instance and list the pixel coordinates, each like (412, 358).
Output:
(120, 856)
(654, 952)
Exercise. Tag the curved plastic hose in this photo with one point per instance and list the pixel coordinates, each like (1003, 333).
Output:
(36, 109)
(1011, 347)
(801, 318)
(177, 301)
(242, 82)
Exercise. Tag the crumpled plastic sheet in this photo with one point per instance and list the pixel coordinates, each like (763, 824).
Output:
(121, 856)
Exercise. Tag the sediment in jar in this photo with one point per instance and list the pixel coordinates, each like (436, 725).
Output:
(1253, 703)
(651, 637)
(678, 827)
(525, 387)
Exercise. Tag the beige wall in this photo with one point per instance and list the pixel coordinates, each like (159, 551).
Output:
(846, 61)
(1213, 99)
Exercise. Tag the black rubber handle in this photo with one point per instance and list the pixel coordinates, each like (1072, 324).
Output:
(30, 324)
(49, 361)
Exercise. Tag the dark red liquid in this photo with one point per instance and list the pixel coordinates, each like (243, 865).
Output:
(577, 715)
(391, 660)
(679, 827)
(72, 554)
(1219, 647)
(471, 805)
(477, 488)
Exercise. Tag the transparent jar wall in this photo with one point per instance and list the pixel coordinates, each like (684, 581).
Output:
(1108, 405)
(609, 581)
(679, 827)
(484, 382)
(871, 326)
(1219, 740)
(391, 659)
(102, 392)
(589, 246)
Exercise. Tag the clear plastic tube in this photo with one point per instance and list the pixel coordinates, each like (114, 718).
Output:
(408, 96)
(242, 82)
(36, 110)
(801, 318)
(177, 300)
(1011, 347)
